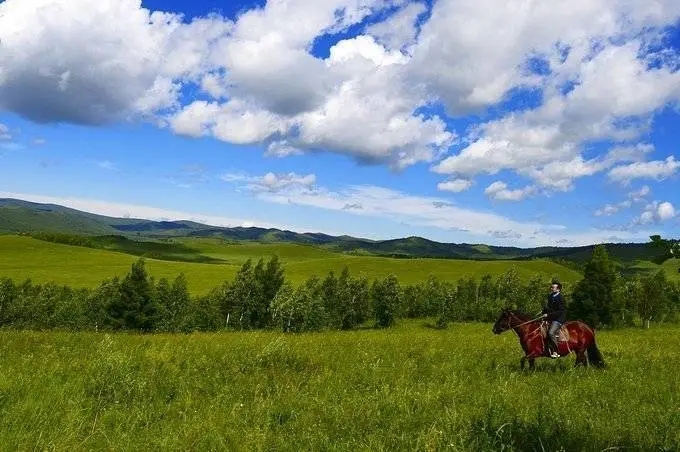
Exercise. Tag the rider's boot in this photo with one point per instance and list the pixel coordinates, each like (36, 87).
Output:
(554, 347)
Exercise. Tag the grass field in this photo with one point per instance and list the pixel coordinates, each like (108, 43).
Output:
(407, 388)
(24, 257)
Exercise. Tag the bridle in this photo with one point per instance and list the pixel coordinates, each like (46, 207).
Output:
(521, 324)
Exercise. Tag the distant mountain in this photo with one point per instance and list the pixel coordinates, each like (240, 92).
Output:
(18, 216)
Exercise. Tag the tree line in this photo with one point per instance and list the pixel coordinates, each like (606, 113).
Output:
(260, 297)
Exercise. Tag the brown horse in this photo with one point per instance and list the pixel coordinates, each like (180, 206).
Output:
(575, 336)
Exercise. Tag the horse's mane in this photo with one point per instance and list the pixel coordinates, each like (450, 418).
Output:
(521, 314)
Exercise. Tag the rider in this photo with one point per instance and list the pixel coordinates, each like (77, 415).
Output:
(555, 312)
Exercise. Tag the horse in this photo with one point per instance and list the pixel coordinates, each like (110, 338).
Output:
(574, 336)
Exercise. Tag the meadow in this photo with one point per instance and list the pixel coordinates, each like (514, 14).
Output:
(41, 261)
(410, 387)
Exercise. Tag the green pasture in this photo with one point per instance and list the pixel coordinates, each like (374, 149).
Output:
(25, 257)
(411, 387)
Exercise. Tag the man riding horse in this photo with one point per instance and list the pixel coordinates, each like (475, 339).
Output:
(554, 312)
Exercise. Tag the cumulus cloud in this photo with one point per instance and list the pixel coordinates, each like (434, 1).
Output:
(546, 143)
(133, 62)
(455, 185)
(657, 169)
(384, 94)
(399, 31)
(656, 212)
(499, 191)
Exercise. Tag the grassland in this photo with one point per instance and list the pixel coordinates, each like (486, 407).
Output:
(407, 388)
(25, 257)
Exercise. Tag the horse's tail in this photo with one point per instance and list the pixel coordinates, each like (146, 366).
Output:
(594, 355)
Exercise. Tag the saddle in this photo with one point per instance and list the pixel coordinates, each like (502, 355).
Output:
(563, 335)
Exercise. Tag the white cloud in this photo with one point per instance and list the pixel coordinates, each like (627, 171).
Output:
(665, 211)
(499, 191)
(4, 133)
(374, 201)
(656, 212)
(272, 182)
(546, 143)
(657, 169)
(95, 61)
(369, 97)
(455, 185)
(399, 30)
(607, 210)
(635, 196)
(639, 195)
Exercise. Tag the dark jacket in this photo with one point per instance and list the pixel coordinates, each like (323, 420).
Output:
(555, 308)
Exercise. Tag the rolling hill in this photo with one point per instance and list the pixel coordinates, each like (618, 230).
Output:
(25, 257)
(18, 216)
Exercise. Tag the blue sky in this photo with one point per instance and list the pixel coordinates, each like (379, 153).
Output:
(459, 121)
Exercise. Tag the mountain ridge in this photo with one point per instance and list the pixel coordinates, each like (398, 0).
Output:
(19, 216)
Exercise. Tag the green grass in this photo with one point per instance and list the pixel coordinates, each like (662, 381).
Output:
(672, 267)
(24, 257)
(407, 388)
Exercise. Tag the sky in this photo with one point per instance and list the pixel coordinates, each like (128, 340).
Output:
(517, 123)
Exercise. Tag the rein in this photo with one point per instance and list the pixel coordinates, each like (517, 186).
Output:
(524, 323)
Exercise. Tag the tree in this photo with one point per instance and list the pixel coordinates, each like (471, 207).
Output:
(467, 297)
(353, 300)
(670, 248)
(300, 309)
(242, 297)
(135, 308)
(173, 303)
(386, 297)
(593, 295)
(8, 295)
(535, 294)
(510, 288)
(330, 293)
(655, 299)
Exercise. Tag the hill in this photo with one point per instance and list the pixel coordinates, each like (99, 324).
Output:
(17, 216)
(77, 266)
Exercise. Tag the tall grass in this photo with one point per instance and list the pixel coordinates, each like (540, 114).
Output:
(407, 388)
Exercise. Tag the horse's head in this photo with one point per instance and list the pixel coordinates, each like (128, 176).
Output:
(503, 323)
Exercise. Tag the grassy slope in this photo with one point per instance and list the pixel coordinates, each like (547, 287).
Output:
(22, 216)
(23, 257)
(672, 266)
(407, 388)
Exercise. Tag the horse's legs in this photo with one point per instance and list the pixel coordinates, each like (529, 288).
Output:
(526, 358)
(580, 358)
